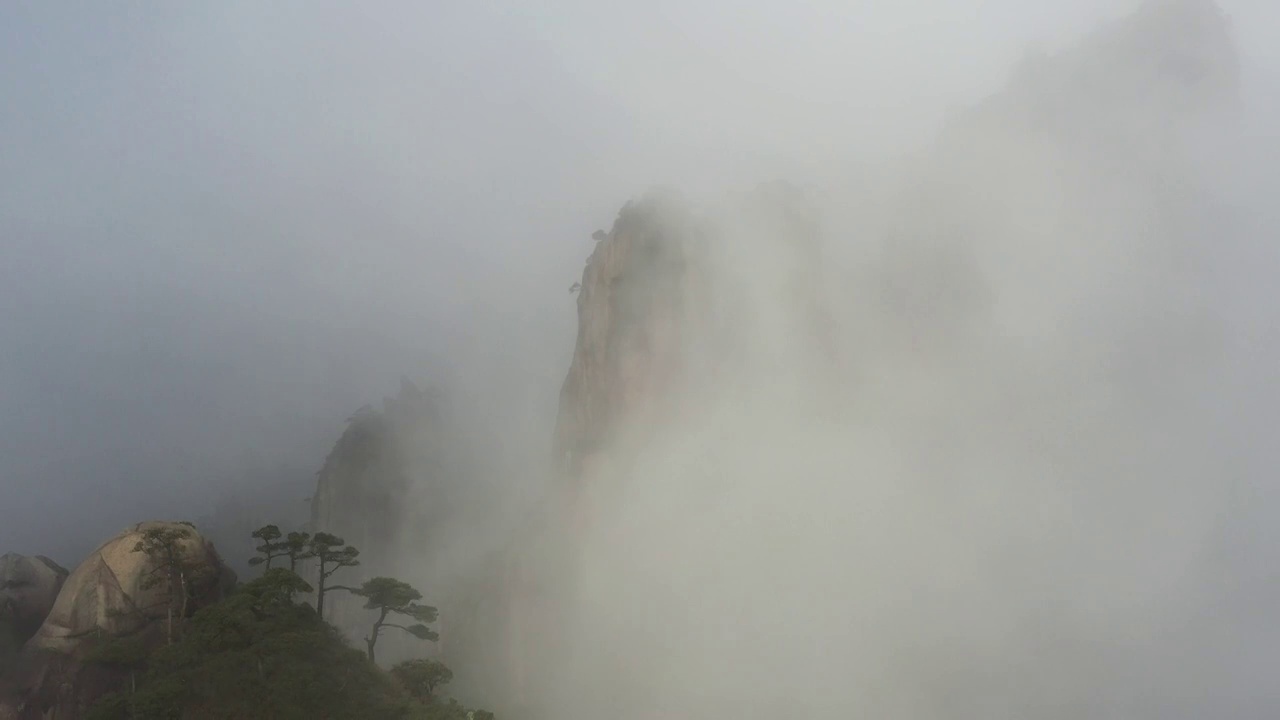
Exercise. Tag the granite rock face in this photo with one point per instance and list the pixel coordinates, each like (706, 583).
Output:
(108, 592)
(107, 596)
(28, 588)
(667, 317)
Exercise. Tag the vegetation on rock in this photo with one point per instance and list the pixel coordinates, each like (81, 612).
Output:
(173, 571)
(260, 653)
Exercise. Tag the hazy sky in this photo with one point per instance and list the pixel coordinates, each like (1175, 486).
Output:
(223, 226)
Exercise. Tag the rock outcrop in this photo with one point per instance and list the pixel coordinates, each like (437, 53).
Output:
(667, 317)
(112, 594)
(388, 488)
(667, 307)
(637, 291)
(28, 588)
(109, 592)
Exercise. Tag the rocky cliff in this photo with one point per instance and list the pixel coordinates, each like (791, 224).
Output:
(667, 307)
(109, 595)
(636, 296)
(668, 316)
(675, 301)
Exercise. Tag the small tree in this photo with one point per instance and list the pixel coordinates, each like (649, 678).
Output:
(173, 570)
(420, 678)
(271, 547)
(296, 548)
(333, 554)
(390, 596)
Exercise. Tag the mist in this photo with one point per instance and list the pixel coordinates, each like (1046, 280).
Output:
(1024, 471)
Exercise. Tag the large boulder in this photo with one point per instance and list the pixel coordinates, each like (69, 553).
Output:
(28, 588)
(119, 591)
(113, 591)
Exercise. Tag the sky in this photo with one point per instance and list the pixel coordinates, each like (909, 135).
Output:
(226, 226)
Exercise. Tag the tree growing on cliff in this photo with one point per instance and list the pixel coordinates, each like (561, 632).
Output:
(173, 570)
(388, 597)
(332, 554)
(271, 547)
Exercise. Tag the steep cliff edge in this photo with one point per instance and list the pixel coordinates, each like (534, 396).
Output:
(637, 292)
(668, 308)
(668, 318)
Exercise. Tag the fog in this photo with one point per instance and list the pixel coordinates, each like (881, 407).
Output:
(1048, 493)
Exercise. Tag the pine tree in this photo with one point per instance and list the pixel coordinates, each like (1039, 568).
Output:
(393, 597)
(332, 553)
(271, 547)
(173, 570)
